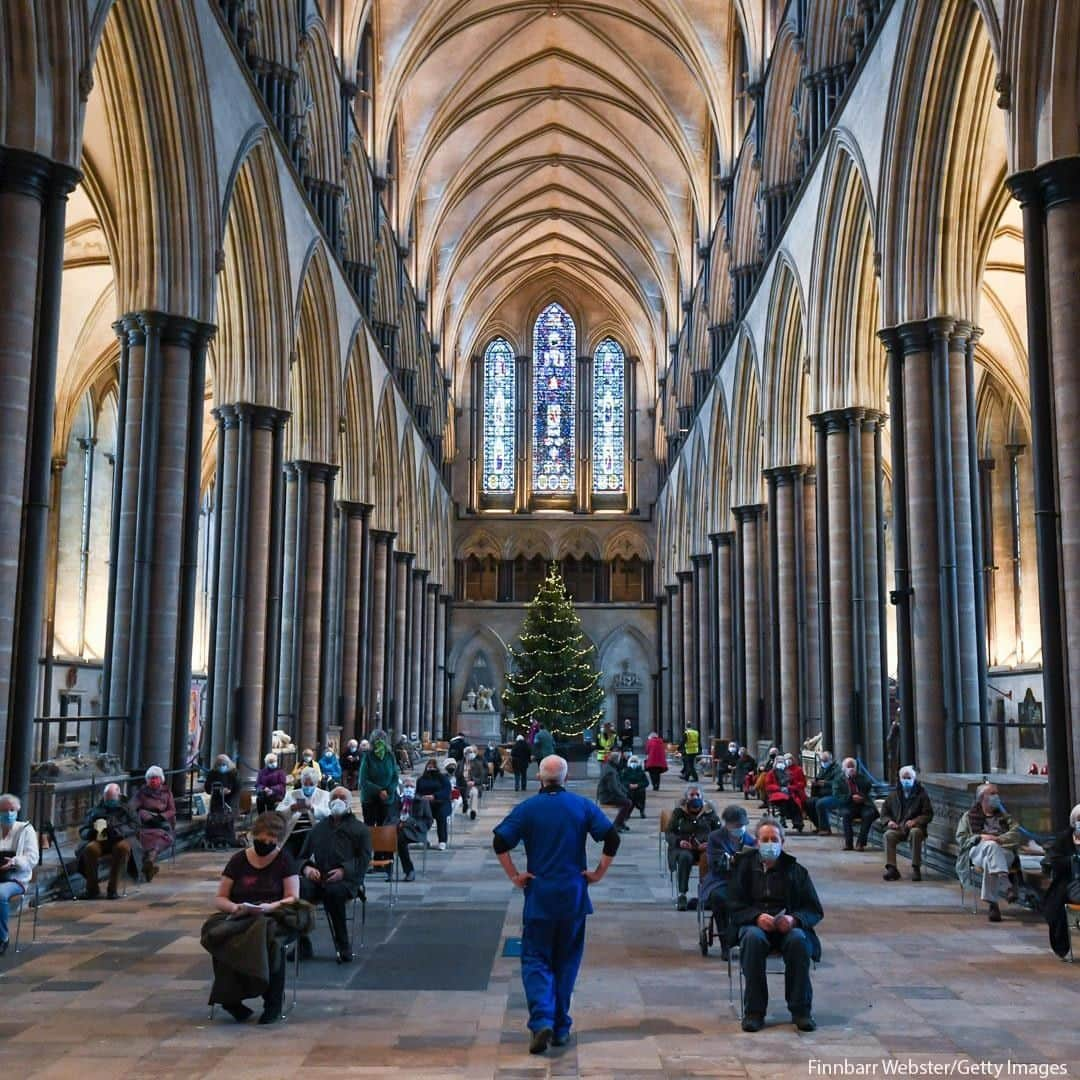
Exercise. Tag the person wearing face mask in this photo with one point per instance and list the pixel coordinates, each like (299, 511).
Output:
(1062, 863)
(821, 796)
(687, 835)
(742, 779)
(303, 808)
(988, 840)
(434, 788)
(153, 805)
(378, 782)
(724, 844)
(774, 906)
(906, 813)
(635, 781)
(493, 763)
(259, 911)
(307, 761)
(330, 768)
(520, 756)
(852, 792)
(610, 791)
(763, 774)
(18, 857)
(785, 790)
(110, 829)
(726, 760)
(334, 859)
(414, 823)
(269, 784)
(350, 765)
(471, 780)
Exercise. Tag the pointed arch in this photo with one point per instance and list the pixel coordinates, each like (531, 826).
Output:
(358, 442)
(319, 105)
(384, 485)
(720, 467)
(746, 427)
(787, 438)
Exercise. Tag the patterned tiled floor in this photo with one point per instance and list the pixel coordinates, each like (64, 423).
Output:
(119, 989)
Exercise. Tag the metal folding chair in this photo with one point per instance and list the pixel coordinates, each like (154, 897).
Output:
(288, 960)
(1072, 915)
(32, 895)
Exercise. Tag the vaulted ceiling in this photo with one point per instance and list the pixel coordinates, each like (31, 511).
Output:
(567, 137)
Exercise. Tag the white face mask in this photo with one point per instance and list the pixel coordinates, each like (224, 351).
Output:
(849, 773)
(339, 807)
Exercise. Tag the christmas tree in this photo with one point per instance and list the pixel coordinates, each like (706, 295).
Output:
(554, 677)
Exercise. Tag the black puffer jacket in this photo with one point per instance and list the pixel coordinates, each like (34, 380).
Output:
(914, 806)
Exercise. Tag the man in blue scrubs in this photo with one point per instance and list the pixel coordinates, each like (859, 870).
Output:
(554, 826)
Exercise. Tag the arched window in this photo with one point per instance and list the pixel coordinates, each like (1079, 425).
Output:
(499, 407)
(554, 367)
(609, 419)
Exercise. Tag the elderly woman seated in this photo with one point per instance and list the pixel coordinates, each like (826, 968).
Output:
(988, 841)
(304, 807)
(155, 809)
(18, 857)
(688, 832)
(725, 843)
(259, 913)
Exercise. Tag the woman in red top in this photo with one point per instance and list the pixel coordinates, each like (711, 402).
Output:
(785, 790)
(655, 759)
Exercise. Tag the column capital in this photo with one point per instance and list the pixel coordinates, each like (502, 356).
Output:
(671, 590)
(265, 417)
(785, 474)
(700, 561)
(420, 574)
(354, 509)
(684, 576)
(383, 536)
(315, 470)
(433, 587)
(748, 512)
(171, 329)
(1048, 185)
(226, 416)
(404, 557)
(22, 172)
(446, 598)
(661, 599)
(721, 539)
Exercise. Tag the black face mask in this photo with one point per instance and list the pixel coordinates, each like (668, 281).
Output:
(263, 847)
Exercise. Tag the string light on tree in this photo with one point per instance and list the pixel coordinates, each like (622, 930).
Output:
(554, 678)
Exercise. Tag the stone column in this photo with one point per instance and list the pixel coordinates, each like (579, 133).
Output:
(355, 519)
(403, 561)
(248, 489)
(285, 708)
(584, 471)
(381, 564)
(33, 204)
(749, 520)
(427, 698)
(701, 637)
(476, 430)
(522, 432)
(417, 646)
(441, 726)
(688, 654)
(673, 678)
(723, 547)
(630, 401)
(809, 634)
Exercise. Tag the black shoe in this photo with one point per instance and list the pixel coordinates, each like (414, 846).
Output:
(916, 873)
(270, 1016)
(624, 828)
(642, 813)
(823, 832)
(891, 873)
(540, 1041)
(995, 913)
(344, 956)
(91, 896)
(306, 950)
(239, 1012)
(681, 904)
(849, 847)
(805, 1023)
(4, 946)
(560, 1040)
(410, 876)
(750, 1022)
(112, 894)
(861, 845)
(472, 815)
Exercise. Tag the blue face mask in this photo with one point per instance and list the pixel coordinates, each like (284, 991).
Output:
(907, 783)
(112, 802)
(8, 817)
(770, 850)
(694, 804)
(223, 768)
(996, 803)
(308, 792)
(736, 831)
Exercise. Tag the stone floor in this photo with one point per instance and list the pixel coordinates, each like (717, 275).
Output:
(119, 989)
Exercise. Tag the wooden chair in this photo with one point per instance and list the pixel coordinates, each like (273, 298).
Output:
(665, 820)
(384, 838)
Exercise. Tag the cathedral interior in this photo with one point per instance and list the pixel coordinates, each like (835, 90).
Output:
(331, 325)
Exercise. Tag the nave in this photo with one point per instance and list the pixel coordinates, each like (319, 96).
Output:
(907, 975)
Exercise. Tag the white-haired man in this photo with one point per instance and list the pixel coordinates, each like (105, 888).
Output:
(18, 857)
(554, 826)
(110, 829)
(988, 840)
(906, 813)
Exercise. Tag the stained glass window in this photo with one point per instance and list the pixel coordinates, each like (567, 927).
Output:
(554, 367)
(608, 419)
(498, 417)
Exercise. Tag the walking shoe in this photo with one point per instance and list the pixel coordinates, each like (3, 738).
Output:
(112, 894)
(995, 913)
(642, 813)
(344, 956)
(916, 873)
(540, 1040)
(560, 1040)
(891, 873)
(805, 1023)
(442, 845)
(753, 1022)
(823, 832)
(624, 828)
(270, 1016)
(860, 846)
(472, 815)
(150, 870)
(849, 847)
(681, 904)
(410, 876)
(238, 1011)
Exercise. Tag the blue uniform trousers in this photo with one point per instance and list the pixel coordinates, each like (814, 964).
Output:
(551, 952)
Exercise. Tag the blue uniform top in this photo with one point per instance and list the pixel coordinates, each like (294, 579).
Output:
(554, 825)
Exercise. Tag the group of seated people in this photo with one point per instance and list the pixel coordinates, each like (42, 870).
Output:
(623, 784)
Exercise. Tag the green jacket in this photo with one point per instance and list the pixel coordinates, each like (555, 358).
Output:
(842, 793)
(633, 776)
(1010, 838)
(376, 776)
(543, 744)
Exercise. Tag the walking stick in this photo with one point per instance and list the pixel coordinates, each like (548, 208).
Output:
(50, 831)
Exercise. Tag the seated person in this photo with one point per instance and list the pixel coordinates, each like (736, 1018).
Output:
(450, 766)
(303, 808)
(457, 746)
(821, 796)
(1062, 863)
(635, 781)
(413, 826)
(688, 836)
(726, 761)
(18, 857)
(110, 829)
(471, 780)
(155, 810)
(307, 761)
(772, 901)
(906, 813)
(744, 773)
(433, 787)
(851, 790)
(785, 790)
(350, 765)
(493, 762)
(269, 784)
(988, 840)
(724, 844)
(334, 859)
(763, 770)
(330, 767)
(259, 881)
(611, 792)
(378, 782)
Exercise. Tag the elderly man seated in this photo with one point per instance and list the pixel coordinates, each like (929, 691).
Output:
(988, 841)
(724, 844)
(852, 796)
(906, 813)
(772, 901)
(304, 807)
(111, 829)
(334, 859)
(18, 857)
(688, 832)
